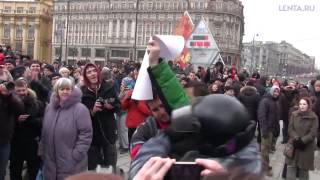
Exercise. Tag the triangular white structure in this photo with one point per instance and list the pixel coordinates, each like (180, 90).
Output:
(202, 46)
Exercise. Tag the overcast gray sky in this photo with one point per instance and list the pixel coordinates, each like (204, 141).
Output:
(295, 21)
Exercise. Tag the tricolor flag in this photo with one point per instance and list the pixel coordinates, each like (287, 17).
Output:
(184, 28)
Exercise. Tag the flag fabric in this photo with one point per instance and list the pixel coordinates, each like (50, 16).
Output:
(184, 28)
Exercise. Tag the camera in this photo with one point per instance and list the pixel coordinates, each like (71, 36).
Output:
(8, 84)
(184, 170)
(101, 101)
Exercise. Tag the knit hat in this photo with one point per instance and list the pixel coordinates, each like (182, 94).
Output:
(274, 88)
(49, 67)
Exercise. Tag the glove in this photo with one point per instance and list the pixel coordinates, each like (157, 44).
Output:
(299, 144)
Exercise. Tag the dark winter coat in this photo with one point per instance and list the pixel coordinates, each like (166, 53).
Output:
(288, 100)
(10, 107)
(269, 114)
(103, 123)
(304, 125)
(30, 129)
(66, 137)
(250, 98)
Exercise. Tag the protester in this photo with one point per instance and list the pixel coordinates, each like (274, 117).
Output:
(303, 127)
(183, 134)
(66, 133)
(24, 144)
(102, 100)
(268, 116)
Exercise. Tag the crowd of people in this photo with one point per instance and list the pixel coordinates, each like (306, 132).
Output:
(65, 120)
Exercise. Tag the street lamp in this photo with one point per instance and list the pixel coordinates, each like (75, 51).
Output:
(135, 33)
(253, 60)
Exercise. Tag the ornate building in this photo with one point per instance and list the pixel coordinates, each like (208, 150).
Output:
(100, 30)
(276, 59)
(26, 26)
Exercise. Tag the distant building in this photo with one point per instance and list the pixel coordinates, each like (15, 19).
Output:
(26, 26)
(272, 58)
(101, 30)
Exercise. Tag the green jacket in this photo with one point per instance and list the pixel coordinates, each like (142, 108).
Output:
(167, 86)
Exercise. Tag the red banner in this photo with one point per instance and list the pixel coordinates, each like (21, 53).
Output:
(184, 28)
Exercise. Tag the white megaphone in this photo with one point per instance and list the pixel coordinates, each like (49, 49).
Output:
(170, 48)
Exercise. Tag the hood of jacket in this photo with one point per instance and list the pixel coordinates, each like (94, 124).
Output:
(248, 91)
(74, 98)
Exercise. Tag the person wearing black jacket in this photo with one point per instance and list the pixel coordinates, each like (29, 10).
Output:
(10, 106)
(101, 99)
(24, 144)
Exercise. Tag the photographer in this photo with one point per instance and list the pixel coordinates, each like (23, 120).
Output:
(204, 129)
(10, 107)
(101, 99)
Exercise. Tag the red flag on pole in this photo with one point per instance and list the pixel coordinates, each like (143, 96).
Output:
(184, 28)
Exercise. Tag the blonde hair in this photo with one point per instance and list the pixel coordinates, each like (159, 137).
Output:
(64, 69)
(63, 83)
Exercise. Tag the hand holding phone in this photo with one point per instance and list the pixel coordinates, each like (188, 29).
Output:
(185, 170)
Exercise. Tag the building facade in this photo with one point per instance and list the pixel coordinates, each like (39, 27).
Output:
(100, 30)
(26, 26)
(276, 59)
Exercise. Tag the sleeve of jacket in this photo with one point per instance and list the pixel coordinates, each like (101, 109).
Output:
(262, 117)
(312, 134)
(83, 123)
(142, 106)
(166, 83)
(15, 104)
(158, 146)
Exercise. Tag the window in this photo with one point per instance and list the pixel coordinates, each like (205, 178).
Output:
(101, 53)
(85, 52)
(19, 31)
(6, 31)
(7, 9)
(31, 32)
(30, 48)
(72, 51)
(57, 51)
(19, 10)
(18, 46)
(120, 53)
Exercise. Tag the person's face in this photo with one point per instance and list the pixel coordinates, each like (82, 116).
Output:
(35, 67)
(21, 91)
(276, 93)
(76, 75)
(65, 74)
(317, 88)
(47, 72)
(92, 75)
(303, 105)
(54, 80)
(214, 88)
(192, 76)
(64, 93)
(56, 65)
(17, 62)
(158, 111)
(183, 82)
(9, 66)
(230, 92)
(293, 85)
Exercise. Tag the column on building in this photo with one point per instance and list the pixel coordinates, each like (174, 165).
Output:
(118, 28)
(36, 47)
(125, 28)
(24, 37)
(133, 28)
(1, 30)
(12, 33)
(110, 28)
